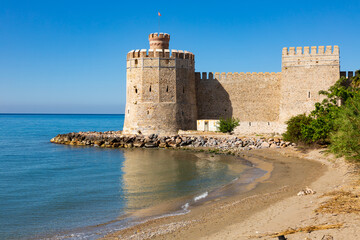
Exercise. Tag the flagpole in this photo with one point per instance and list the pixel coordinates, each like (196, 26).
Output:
(159, 21)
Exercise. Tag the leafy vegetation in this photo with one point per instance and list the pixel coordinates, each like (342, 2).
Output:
(345, 141)
(335, 121)
(295, 128)
(228, 125)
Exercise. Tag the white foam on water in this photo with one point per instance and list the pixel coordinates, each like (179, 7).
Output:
(201, 196)
(185, 206)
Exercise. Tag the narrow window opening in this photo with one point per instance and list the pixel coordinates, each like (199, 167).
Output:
(135, 90)
(147, 112)
(183, 89)
(269, 123)
(136, 62)
(167, 88)
(225, 110)
(128, 110)
(309, 95)
(249, 123)
(150, 88)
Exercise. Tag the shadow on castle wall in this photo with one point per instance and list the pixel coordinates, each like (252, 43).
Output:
(213, 101)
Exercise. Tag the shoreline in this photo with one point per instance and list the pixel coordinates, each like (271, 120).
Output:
(270, 208)
(204, 220)
(255, 170)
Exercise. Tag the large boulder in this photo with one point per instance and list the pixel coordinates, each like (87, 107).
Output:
(139, 144)
(162, 145)
(264, 145)
(151, 144)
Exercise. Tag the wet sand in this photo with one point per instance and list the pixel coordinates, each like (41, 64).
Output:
(228, 218)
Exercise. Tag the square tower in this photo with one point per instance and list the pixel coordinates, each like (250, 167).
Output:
(304, 73)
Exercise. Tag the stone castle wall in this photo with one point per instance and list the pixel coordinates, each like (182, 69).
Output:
(246, 96)
(164, 94)
(160, 94)
(263, 102)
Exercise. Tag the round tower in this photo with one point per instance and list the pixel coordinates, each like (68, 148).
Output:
(160, 95)
(159, 41)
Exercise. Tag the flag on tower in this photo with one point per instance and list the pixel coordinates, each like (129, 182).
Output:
(159, 14)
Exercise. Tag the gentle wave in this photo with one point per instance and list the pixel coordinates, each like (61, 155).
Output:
(204, 195)
(185, 207)
(235, 179)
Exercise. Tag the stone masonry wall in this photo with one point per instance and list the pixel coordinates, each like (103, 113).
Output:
(304, 74)
(246, 96)
(263, 102)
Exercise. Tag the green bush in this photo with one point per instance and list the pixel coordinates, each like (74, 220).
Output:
(331, 122)
(314, 128)
(320, 124)
(317, 127)
(345, 141)
(294, 132)
(228, 125)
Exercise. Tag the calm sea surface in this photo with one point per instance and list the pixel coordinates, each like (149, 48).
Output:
(57, 191)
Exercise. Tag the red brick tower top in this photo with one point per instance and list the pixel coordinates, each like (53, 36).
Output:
(159, 40)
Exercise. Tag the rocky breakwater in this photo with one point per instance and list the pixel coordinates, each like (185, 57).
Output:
(114, 139)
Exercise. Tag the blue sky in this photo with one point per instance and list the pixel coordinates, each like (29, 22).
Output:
(70, 56)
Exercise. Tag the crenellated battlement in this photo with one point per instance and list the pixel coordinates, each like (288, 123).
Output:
(159, 40)
(160, 89)
(233, 76)
(314, 50)
(159, 35)
(310, 56)
(165, 94)
(160, 53)
(347, 74)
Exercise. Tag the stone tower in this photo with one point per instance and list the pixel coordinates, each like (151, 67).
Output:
(160, 95)
(304, 74)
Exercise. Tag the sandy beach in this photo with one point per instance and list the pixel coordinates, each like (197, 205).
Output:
(273, 206)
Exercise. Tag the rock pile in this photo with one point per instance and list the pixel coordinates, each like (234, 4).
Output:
(114, 139)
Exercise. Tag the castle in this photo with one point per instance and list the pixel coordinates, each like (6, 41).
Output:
(164, 93)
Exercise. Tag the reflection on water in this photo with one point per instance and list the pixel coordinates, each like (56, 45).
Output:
(152, 176)
(49, 189)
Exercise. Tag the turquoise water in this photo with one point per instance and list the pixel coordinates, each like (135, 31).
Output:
(56, 191)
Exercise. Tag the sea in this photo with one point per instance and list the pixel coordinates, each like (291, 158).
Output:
(51, 191)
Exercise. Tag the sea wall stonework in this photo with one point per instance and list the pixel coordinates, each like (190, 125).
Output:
(164, 94)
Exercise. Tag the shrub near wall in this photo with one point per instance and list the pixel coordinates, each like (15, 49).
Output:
(331, 122)
(295, 126)
(228, 125)
(345, 141)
